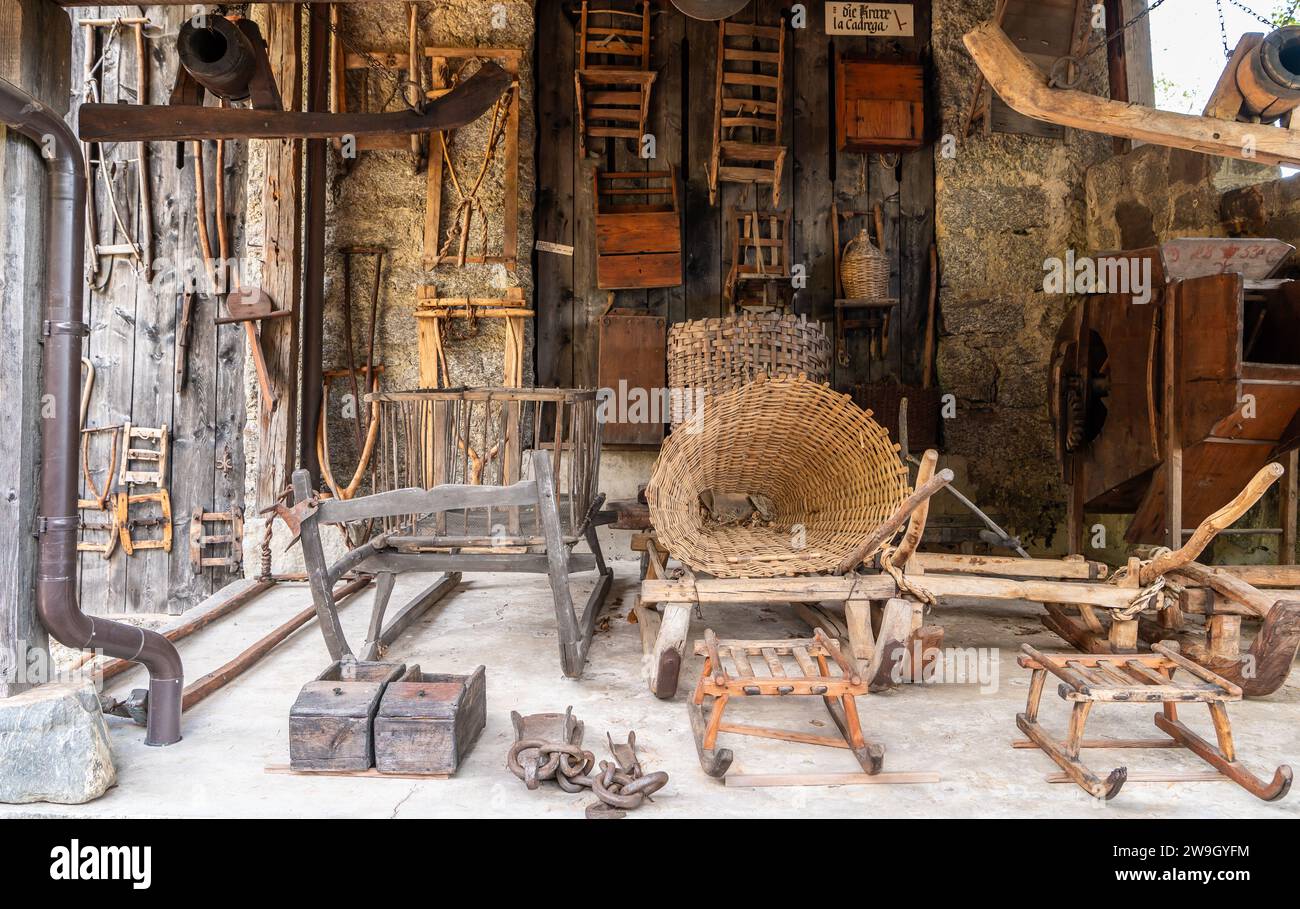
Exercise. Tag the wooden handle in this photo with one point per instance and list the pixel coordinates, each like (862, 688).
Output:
(1222, 519)
(890, 527)
(916, 524)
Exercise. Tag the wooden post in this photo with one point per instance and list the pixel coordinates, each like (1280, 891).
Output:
(35, 53)
(1288, 512)
(281, 260)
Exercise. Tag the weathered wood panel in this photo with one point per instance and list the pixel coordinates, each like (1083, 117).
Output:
(33, 54)
(681, 120)
(134, 322)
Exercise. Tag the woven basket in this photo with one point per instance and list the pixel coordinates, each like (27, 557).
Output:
(828, 474)
(717, 355)
(864, 269)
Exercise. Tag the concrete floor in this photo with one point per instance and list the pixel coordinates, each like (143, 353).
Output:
(962, 731)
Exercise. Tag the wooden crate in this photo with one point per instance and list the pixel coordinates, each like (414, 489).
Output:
(331, 722)
(880, 106)
(428, 721)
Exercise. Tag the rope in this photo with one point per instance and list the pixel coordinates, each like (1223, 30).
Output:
(1160, 593)
(904, 586)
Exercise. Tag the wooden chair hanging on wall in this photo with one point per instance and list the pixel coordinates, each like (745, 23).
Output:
(638, 230)
(749, 108)
(613, 80)
(446, 65)
(347, 60)
(760, 259)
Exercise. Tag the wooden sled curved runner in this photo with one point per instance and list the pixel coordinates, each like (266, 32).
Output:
(1138, 679)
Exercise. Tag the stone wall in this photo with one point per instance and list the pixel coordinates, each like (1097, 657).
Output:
(1003, 204)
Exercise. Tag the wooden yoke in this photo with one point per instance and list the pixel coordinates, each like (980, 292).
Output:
(1222, 519)
(895, 521)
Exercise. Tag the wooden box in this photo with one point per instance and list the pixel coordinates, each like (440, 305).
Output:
(330, 725)
(638, 230)
(427, 721)
(880, 106)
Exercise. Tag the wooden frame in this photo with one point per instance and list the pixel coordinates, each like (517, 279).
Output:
(434, 313)
(232, 538)
(1141, 681)
(127, 474)
(440, 59)
(612, 93)
(748, 97)
(344, 62)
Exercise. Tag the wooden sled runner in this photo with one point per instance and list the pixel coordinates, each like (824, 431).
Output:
(1138, 679)
(1024, 87)
(789, 668)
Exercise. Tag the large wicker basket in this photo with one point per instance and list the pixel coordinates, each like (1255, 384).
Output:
(826, 472)
(717, 355)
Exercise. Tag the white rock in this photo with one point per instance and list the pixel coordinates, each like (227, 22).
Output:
(54, 745)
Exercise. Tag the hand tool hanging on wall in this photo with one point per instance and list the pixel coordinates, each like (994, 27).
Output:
(139, 249)
(377, 254)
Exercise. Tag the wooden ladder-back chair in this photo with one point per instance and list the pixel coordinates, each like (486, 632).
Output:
(760, 258)
(613, 79)
(471, 479)
(749, 108)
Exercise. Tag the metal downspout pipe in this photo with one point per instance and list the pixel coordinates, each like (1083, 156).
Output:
(62, 330)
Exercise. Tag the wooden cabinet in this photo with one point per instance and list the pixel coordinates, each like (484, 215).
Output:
(879, 106)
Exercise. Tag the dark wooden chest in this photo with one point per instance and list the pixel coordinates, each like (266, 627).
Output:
(428, 721)
(330, 725)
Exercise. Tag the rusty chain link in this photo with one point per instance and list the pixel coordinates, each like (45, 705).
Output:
(618, 787)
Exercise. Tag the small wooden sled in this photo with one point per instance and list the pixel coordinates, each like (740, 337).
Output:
(792, 667)
(1138, 679)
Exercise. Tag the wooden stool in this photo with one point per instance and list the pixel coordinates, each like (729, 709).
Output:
(805, 670)
(1138, 679)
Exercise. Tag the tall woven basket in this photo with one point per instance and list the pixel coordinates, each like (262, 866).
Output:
(823, 473)
(717, 355)
(864, 269)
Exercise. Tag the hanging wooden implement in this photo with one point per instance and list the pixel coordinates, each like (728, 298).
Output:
(405, 62)
(181, 122)
(1025, 87)
(139, 248)
(503, 134)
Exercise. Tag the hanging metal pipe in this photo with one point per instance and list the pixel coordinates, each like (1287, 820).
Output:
(62, 331)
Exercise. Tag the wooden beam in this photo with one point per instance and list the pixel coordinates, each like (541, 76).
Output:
(1023, 86)
(178, 122)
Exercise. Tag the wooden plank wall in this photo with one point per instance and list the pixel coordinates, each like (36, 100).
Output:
(684, 54)
(133, 334)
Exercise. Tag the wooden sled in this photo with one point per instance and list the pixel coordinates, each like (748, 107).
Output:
(1145, 679)
(790, 668)
(1024, 87)
(389, 554)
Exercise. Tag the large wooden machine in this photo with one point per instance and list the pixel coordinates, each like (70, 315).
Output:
(1167, 398)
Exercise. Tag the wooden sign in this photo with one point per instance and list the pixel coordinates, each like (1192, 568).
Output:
(870, 20)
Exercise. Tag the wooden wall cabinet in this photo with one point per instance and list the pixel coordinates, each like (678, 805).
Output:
(879, 106)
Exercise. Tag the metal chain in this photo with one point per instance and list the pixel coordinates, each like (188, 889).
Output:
(1246, 9)
(1223, 28)
(399, 83)
(1098, 45)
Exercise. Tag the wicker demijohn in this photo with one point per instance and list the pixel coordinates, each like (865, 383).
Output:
(864, 269)
(716, 355)
(821, 473)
